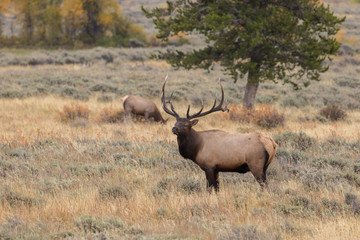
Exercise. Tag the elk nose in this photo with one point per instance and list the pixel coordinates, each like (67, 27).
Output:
(175, 130)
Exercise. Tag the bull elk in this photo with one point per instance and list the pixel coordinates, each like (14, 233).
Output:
(217, 151)
(141, 106)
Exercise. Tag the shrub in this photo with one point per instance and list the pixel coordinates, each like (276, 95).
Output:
(338, 163)
(240, 113)
(287, 209)
(291, 156)
(294, 229)
(295, 140)
(21, 153)
(13, 227)
(331, 205)
(74, 111)
(5, 167)
(353, 202)
(301, 201)
(268, 117)
(333, 113)
(190, 185)
(102, 87)
(75, 93)
(264, 115)
(15, 199)
(90, 224)
(315, 179)
(11, 94)
(113, 192)
(293, 102)
(246, 232)
(110, 115)
(352, 178)
(104, 98)
(357, 167)
(162, 187)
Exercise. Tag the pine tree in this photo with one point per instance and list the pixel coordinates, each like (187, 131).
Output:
(267, 40)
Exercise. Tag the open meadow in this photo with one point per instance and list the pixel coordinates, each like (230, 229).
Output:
(97, 177)
(71, 168)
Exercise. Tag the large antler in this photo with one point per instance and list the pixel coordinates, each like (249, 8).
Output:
(213, 109)
(164, 103)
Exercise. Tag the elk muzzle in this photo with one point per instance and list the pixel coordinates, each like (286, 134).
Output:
(175, 130)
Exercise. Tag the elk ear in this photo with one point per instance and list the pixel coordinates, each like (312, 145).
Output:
(194, 122)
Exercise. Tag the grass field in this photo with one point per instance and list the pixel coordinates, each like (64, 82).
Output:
(95, 180)
(87, 178)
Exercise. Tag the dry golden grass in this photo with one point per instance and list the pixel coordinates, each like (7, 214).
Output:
(33, 118)
(177, 214)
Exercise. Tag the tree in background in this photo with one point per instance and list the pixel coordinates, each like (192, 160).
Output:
(74, 18)
(71, 22)
(4, 7)
(267, 40)
(40, 21)
(2, 10)
(49, 22)
(109, 16)
(92, 26)
(105, 25)
(27, 10)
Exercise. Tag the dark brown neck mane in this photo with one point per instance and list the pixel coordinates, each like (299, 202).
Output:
(189, 145)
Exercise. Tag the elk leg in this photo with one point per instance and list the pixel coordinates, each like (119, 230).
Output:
(146, 115)
(260, 178)
(216, 181)
(259, 175)
(127, 115)
(212, 177)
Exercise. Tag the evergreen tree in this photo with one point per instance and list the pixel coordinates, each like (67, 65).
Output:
(267, 40)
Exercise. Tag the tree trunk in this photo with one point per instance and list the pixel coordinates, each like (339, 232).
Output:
(250, 94)
(252, 84)
(251, 88)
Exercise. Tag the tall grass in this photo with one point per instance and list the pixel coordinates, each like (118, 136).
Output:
(120, 180)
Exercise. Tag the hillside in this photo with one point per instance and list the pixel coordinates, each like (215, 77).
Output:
(132, 9)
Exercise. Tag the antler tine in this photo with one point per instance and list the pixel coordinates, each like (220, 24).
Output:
(222, 98)
(172, 107)
(195, 114)
(164, 104)
(214, 108)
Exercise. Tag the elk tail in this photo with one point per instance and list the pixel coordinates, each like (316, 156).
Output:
(270, 147)
(124, 100)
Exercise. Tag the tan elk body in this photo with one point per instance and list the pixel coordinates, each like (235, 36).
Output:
(218, 151)
(141, 106)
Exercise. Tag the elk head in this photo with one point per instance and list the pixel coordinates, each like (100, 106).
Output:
(184, 125)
